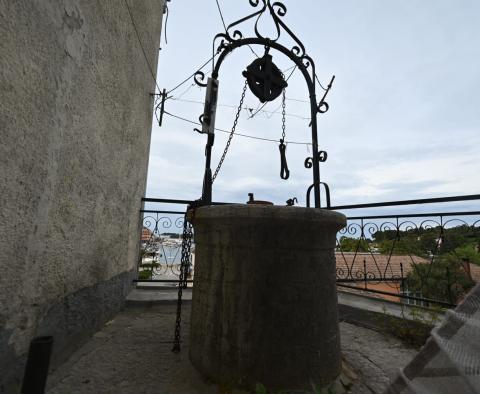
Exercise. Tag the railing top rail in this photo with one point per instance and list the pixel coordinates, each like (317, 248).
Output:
(416, 215)
(467, 197)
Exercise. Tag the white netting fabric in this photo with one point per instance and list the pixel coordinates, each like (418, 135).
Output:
(450, 360)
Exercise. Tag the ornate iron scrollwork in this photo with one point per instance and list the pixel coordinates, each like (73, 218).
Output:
(322, 157)
(199, 77)
(277, 10)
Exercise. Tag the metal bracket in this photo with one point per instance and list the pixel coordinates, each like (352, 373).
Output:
(210, 109)
(327, 193)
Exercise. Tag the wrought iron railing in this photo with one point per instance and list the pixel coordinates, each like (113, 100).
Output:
(160, 246)
(422, 258)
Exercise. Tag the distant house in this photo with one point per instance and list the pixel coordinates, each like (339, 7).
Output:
(147, 235)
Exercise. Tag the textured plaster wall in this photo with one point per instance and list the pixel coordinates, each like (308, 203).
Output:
(75, 123)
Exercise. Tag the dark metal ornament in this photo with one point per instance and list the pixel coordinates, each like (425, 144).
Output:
(264, 78)
(284, 171)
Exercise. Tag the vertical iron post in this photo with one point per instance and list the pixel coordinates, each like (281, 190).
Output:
(36, 369)
(365, 273)
(315, 161)
(162, 107)
(402, 279)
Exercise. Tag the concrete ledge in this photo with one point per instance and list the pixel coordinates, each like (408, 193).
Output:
(160, 295)
(375, 304)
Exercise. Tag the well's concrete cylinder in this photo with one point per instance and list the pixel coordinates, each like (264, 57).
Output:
(264, 306)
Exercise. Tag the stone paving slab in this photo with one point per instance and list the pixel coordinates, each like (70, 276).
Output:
(132, 354)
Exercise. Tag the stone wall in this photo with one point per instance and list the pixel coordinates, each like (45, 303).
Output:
(75, 123)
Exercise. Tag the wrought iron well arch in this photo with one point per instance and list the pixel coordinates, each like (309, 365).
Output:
(229, 41)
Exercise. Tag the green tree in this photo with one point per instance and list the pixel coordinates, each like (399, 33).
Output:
(444, 279)
(403, 246)
(348, 244)
(467, 253)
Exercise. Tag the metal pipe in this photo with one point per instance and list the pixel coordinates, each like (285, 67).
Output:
(36, 369)
(315, 161)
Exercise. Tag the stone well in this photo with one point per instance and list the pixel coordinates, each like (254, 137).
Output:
(264, 306)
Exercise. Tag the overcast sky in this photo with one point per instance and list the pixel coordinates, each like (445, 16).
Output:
(404, 109)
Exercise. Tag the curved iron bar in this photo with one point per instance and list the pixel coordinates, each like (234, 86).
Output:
(277, 10)
(429, 226)
(199, 77)
(351, 229)
(464, 223)
(410, 226)
(322, 157)
(388, 226)
(370, 228)
(302, 62)
(179, 222)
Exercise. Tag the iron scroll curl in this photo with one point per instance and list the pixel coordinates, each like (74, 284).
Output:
(322, 157)
(199, 77)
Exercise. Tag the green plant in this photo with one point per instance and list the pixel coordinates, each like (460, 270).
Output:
(413, 329)
(444, 279)
(145, 275)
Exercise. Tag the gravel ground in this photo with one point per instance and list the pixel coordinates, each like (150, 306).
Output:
(132, 354)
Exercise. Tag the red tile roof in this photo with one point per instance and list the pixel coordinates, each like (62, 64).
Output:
(379, 265)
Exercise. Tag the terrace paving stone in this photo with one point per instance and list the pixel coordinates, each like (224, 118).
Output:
(132, 354)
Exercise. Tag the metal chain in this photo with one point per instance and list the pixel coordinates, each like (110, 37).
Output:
(283, 115)
(182, 278)
(239, 110)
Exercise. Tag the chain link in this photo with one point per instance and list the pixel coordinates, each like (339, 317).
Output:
(182, 279)
(283, 115)
(239, 110)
